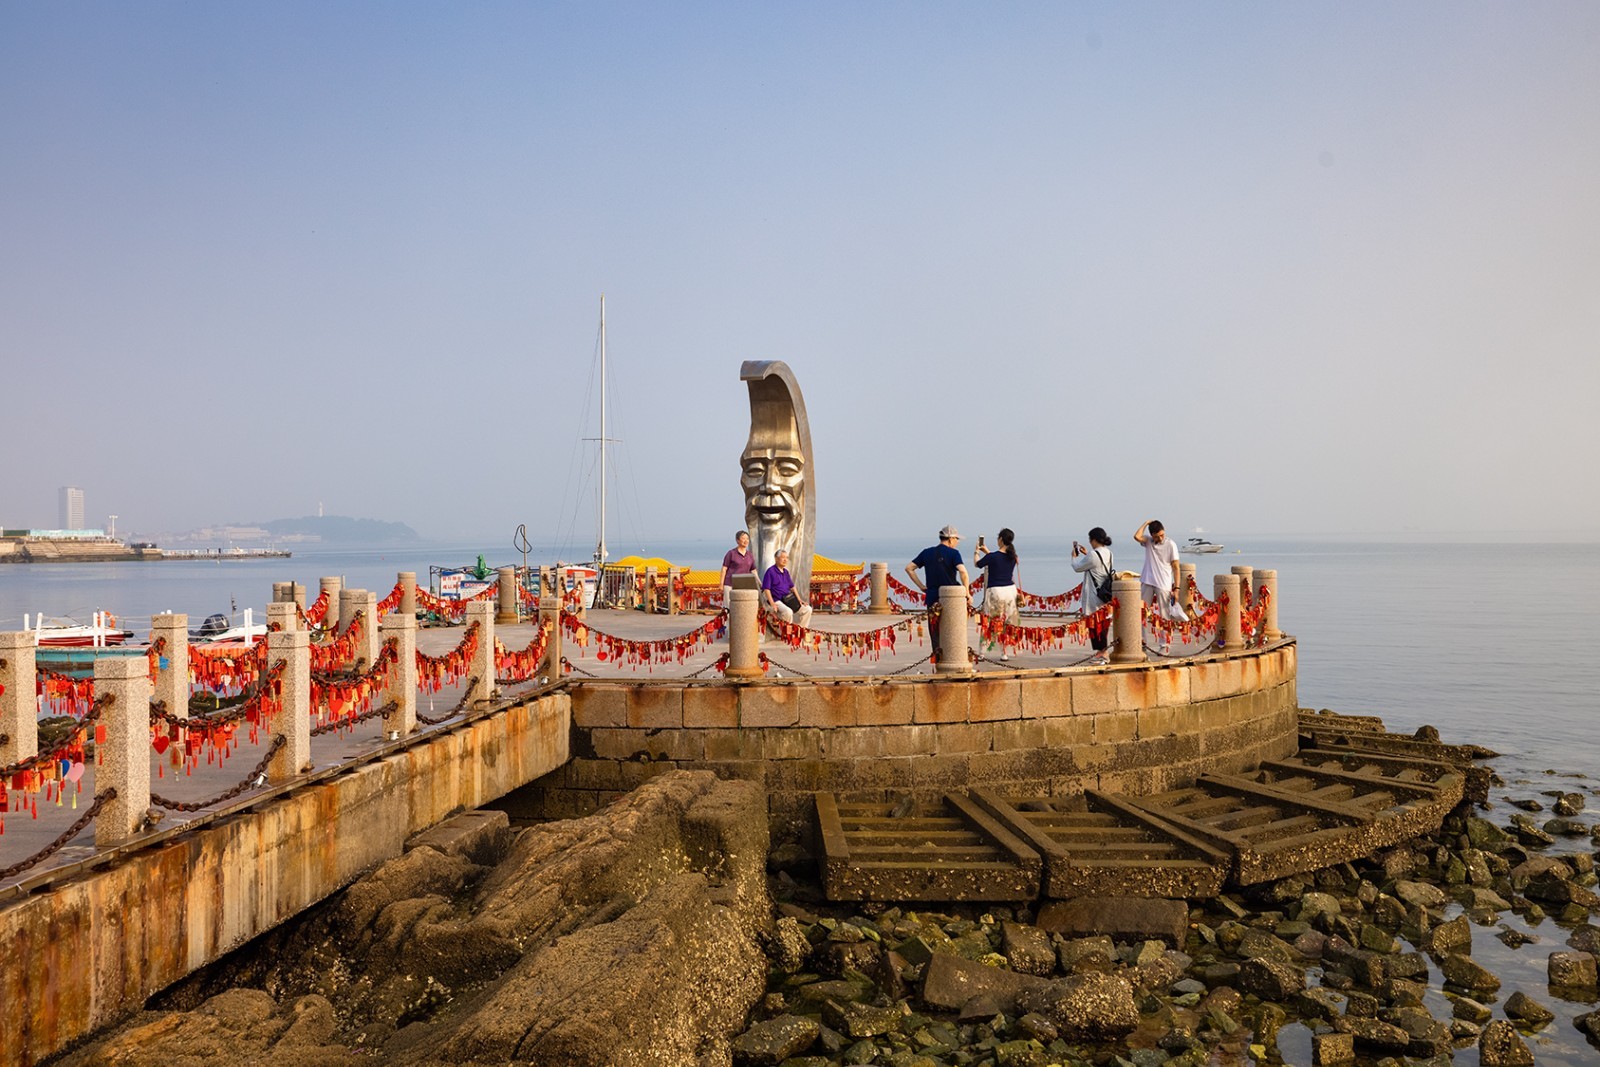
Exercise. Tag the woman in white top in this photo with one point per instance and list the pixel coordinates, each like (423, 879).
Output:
(1095, 564)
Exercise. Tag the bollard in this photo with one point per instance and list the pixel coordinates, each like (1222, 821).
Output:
(878, 584)
(1229, 636)
(952, 651)
(402, 687)
(333, 587)
(1267, 582)
(1127, 621)
(506, 596)
(172, 669)
(1245, 583)
(744, 628)
(1186, 579)
(292, 718)
(651, 607)
(125, 757)
(482, 613)
(297, 594)
(19, 706)
(347, 607)
(282, 591)
(674, 575)
(407, 580)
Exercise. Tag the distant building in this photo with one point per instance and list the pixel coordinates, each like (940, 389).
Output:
(71, 517)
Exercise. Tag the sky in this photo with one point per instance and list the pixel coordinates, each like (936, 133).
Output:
(1250, 268)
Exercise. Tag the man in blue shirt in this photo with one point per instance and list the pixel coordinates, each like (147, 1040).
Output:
(778, 594)
(943, 566)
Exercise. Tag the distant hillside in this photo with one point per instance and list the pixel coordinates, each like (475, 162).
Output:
(336, 528)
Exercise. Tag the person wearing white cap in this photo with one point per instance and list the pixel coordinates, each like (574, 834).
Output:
(943, 566)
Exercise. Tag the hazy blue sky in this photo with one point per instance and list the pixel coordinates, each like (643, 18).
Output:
(1261, 268)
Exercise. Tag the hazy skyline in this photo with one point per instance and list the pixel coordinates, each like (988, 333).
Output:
(1262, 269)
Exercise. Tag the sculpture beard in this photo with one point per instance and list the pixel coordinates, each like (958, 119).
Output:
(774, 481)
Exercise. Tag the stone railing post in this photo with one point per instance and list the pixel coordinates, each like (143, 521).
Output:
(1127, 621)
(1267, 581)
(172, 669)
(402, 687)
(282, 591)
(482, 613)
(19, 705)
(347, 608)
(674, 575)
(951, 657)
(1230, 637)
(333, 587)
(407, 580)
(505, 596)
(368, 641)
(550, 622)
(125, 757)
(1245, 574)
(651, 588)
(744, 627)
(878, 587)
(297, 594)
(1186, 574)
(281, 616)
(292, 718)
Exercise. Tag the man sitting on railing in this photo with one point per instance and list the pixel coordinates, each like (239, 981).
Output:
(778, 593)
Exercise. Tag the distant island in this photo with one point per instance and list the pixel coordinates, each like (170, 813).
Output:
(340, 528)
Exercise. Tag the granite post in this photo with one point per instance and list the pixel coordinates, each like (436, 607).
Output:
(125, 756)
(333, 587)
(953, 642)
(505, 596)
(172, 669)
(482, 613)
(674, 574)
(1186, 580)
(651, 589)
(402, 687)
(878, 584)
(19, 707)
(1230, 637)
(364, 602)
(1267, 583)
(1127, 621)
(1245, 574)
(744, 627)
(550, 622)
(408, 592)
(291, 720)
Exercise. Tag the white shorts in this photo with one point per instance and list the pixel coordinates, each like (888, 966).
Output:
(1001, 602)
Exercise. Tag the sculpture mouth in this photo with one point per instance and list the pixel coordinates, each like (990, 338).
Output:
(773, 514)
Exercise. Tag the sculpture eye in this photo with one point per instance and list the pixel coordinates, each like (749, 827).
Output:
(789, 468)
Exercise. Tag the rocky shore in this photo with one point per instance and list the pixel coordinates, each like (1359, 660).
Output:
(1395, 960)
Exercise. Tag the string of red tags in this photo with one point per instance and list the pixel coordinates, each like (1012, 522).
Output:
(866, 644)
(54, 775)
(1059, 602)
(698, 597)
(318, 611)
(522, 664)
(527, 598)
(183, 740)
(917, 600)
(338, 699)
(995, 630)
(342, 649)
(844, 593)
(449, 609)
(62, 694)
(153, 656)
(226, 670)
(614, 649)
(390, 602)
(1199, 628)
(1253, 619)
(436, 672)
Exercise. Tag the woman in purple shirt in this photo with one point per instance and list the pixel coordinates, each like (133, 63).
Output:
(737, 560)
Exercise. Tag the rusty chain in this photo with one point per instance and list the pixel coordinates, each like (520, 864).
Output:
(101, 702)
(340, 724)
(429, 720)
(100, 800)
(255, 778)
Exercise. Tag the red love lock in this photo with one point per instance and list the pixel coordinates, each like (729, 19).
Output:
(161, 743)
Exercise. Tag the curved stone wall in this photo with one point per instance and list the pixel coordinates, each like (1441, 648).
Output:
(1134, 729)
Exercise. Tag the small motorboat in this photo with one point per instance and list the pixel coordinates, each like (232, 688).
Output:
(1198, 546)
(69, 633)
(218, 630)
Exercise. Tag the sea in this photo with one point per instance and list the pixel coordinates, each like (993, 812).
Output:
(1490, 643)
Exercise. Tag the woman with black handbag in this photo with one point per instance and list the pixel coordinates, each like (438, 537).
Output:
(1097, 567)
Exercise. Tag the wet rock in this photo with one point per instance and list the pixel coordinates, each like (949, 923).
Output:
(1026, 1053)
(1486, 835)
(1316, 906)
(1500, 1046)
(1259, 944)
(1429, 1037)
(860, 1020)
(1333, 1050)
(1038, 1027)
(1420, 894)
(1027, 949)
(1523, 1007)
(1121, 918)
(1573, 970)
(769, 1043)
(1586, 939)
(1529, 833)
(1097, 952)
(1376, 939)
(1411, 966)
(1589, 1024)
(1480, 899)
(1374, 1034)
(1525, 803)
(1463, 972)
(1470, 1010)
(1311, 944)
(951, 982)
(1568, 804)
(1319, 1003)
(1552, 889)
(838, 958)
(1095, 1006)
(789, 945)
(1565, 828)
(1514, 938)
(1271, 979)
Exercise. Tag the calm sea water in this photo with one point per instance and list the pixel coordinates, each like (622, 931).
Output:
(1490, 643)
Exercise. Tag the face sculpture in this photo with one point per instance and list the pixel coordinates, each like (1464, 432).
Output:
(775, 471)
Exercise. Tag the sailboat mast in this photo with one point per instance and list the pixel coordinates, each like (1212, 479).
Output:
(600, 548)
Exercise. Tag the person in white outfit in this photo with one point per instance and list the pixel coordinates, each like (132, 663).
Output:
(1095, 563)
(1159, 578)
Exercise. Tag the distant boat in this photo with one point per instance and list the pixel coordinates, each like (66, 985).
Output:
(218, 630)
(1199, 545)
(69, 633)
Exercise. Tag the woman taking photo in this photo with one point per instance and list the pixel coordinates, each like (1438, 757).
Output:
(1000, 579)
(1095, 564)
